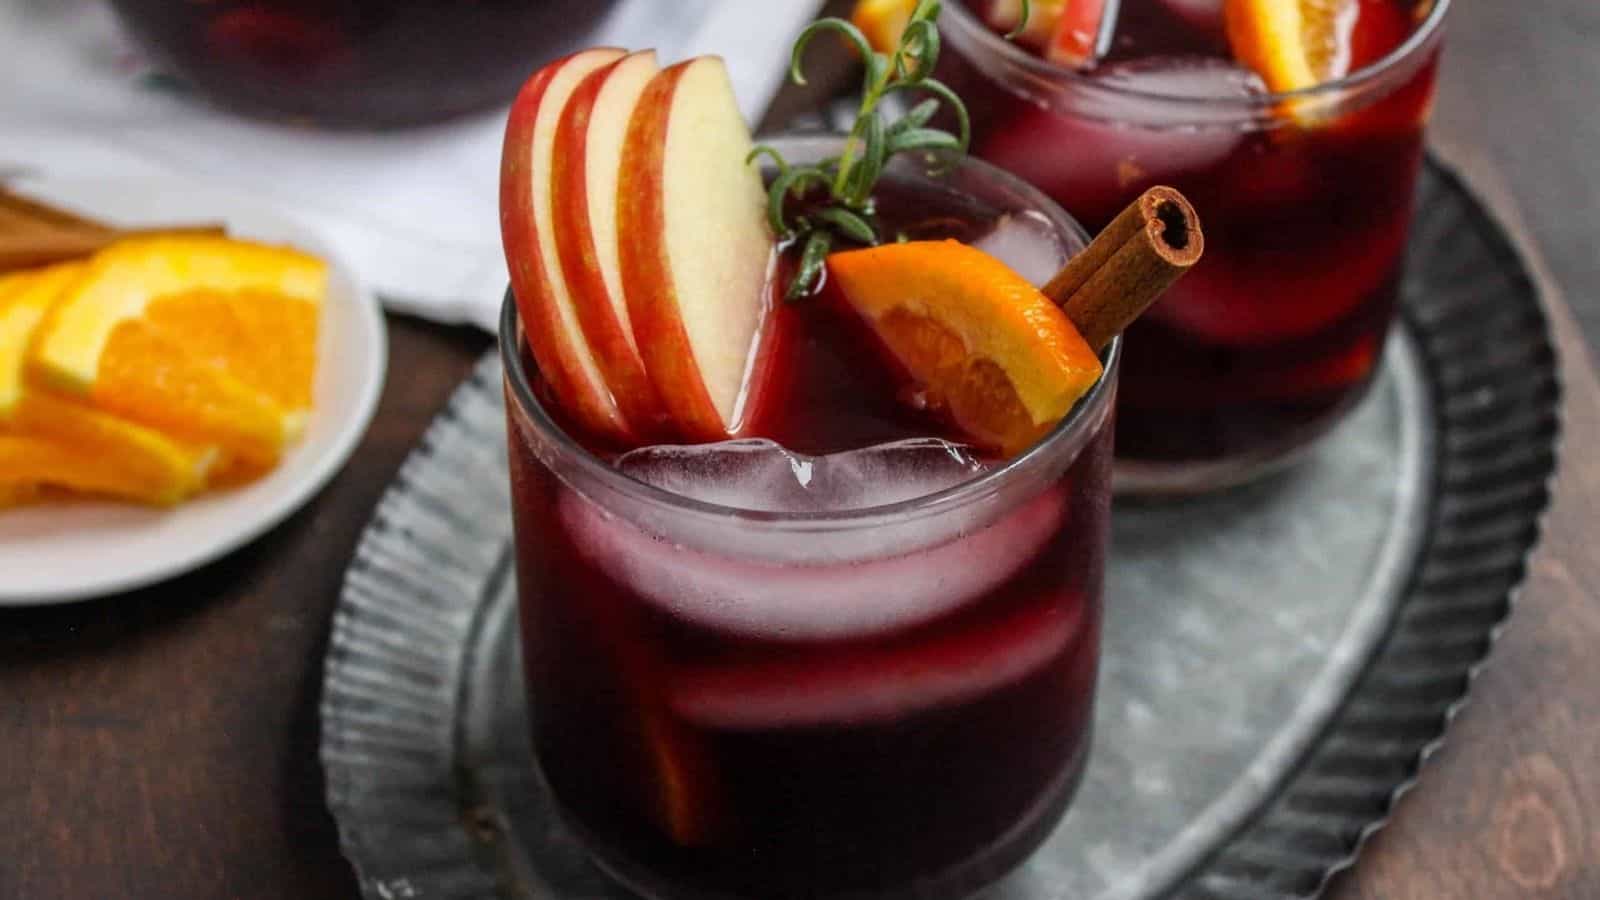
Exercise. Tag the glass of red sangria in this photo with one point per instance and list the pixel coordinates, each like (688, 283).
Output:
(1300, 153)
(848, 653)
(357, 63)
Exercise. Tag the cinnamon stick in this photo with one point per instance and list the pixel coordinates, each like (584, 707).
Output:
(1129, 265)
(18, 206)
(36, 234)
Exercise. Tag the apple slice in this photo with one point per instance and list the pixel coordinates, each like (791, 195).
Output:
(527, 229)
(588, 148)
(1075, 40)
(696, 249)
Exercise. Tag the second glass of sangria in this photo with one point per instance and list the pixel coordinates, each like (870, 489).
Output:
(1294, 126)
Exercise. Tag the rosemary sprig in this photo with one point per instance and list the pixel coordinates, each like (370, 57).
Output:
(1022, 21)
(846, 215)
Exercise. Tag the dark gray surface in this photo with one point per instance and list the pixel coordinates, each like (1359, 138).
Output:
(1521, 86)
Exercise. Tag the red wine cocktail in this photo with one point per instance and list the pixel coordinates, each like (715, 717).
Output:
(867, 671)
(1307, 198)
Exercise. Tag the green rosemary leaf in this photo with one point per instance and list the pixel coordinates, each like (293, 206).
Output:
(924, 139)
(1022, 23)
(850, 32)
(920, 42)
(916, 118)
(875, 154)
(770, 152)
(812, 258)
(941, 91)
(851, 225)
(878, 73)
(778, 192)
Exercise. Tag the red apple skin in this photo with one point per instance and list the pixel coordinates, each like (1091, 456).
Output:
(635, 394)
(1072, 44)
(591, 406)
(647, 269)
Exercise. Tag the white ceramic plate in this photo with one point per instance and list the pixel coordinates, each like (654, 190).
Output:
(76, 550)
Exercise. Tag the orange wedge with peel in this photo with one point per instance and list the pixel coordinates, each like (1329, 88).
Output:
(1292, 44)
(48, 439)
(883, 21)
(988, 348)
(131, 338)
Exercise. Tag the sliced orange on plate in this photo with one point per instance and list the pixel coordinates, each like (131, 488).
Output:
(47, 438)
(136, 336)
(987, 347)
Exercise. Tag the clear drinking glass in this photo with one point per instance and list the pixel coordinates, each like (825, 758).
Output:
(1306, 200)
(889, 701)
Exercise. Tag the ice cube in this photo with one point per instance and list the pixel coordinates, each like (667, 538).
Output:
(758, 474)
(1196, 77)
(1027, 243)
(737, 573)
(1095, 150)
(754, 474)
(891, 473)
(880, 683)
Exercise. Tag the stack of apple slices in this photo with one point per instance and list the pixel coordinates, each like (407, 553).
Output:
(638, 244)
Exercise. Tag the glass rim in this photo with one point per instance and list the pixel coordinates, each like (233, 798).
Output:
(965, 21)
(1076, 424)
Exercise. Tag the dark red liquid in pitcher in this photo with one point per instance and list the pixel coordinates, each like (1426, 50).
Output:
(910, 721)
(1281, 325)
(359, 62)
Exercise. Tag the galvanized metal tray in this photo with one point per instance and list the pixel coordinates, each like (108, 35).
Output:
(1280, 659)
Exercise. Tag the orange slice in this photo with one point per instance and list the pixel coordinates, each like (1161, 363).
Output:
(883, 21)
(265, 340)
(999, 356)
(1292, 44)
(134, 338)
(55, 440)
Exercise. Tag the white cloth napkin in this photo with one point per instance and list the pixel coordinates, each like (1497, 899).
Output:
(414, 212)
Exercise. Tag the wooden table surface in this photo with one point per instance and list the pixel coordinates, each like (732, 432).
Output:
(162, 744)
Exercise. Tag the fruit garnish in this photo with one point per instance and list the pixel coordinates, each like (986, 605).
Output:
(696, 252)
(584, 176)
(50, 439)
(527, 227)
(1080, 35)
(119, 339)
(1292, 44)
(992, 351)
(1071, 33)
(845, 214)
(883, 22)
